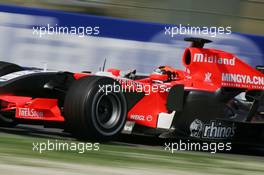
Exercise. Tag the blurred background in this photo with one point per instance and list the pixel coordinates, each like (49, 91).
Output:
(131, 32)
(244, 16)
(131, 36)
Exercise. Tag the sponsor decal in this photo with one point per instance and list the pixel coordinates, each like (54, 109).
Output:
(137, 117)
(149, 118)
(141, 117)
(214, 59)
(207, 77)
(240, 78)
(196, 128)
(27, 112)
(212, 130)
(217, 130)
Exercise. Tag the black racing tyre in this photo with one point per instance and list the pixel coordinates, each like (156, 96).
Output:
(92, 114)
(7, 68)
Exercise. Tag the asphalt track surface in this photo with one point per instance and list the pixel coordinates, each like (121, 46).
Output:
(240, 162)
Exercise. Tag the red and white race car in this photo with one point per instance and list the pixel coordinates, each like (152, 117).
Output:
(218, 96)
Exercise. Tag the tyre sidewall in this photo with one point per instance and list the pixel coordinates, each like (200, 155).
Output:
(90, 102)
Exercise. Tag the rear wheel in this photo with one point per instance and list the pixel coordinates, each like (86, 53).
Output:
(7, 68)
(91, 113)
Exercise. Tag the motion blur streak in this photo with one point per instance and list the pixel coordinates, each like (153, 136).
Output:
(133, 49)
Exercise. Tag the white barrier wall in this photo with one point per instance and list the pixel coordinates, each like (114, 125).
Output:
(73, 53)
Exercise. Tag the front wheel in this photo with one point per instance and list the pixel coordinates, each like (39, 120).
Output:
(7, 68)
(93, 114)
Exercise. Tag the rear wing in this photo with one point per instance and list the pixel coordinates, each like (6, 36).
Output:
(222, 69)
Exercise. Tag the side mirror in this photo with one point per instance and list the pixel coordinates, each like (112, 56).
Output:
(260, 68)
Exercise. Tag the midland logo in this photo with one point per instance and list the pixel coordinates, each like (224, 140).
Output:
(214, 59)
(213, 130)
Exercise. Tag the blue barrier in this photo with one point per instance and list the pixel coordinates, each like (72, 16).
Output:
(140, 31)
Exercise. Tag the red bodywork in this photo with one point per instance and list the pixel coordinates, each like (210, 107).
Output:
(206, 70)
(35, 109)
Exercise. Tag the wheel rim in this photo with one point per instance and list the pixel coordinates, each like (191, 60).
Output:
(108, 110)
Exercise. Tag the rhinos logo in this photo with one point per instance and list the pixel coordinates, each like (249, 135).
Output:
(212, 130)
(196, 128)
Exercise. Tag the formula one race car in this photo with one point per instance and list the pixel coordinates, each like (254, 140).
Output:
(217, 97)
